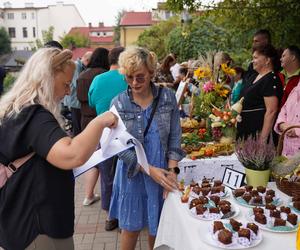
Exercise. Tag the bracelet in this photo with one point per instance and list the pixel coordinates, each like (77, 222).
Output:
(175, 170)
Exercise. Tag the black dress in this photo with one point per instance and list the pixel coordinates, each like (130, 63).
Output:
(254, 106)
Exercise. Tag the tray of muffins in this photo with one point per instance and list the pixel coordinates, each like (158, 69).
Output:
(270, 218)
(294, 204)
(208, 187)
(211, 208)
(233, 234)
(253, 197)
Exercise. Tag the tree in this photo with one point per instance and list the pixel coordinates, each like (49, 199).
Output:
(4, 41)
(47, 35)
(78, 40)
(117, 29)
(156, 36)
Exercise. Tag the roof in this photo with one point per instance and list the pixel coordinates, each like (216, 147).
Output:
(16, 58)
(133, 18)
(85, 31)
(79, 52)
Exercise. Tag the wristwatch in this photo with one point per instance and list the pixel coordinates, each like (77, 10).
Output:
(175, 170)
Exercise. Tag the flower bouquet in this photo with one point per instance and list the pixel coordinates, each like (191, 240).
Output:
(224, 121)
(214, 90)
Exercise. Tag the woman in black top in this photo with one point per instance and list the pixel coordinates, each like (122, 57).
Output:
(37, 202)
(262, 94)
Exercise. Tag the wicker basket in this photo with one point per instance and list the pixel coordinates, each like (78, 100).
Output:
(285, 186)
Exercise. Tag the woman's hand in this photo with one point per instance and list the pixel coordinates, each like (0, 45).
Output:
(109, 119)
(164, 178)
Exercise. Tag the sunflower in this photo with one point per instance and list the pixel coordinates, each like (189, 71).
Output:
(202, 72)
(227, 70)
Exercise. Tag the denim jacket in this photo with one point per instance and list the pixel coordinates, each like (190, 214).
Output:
(166, 116)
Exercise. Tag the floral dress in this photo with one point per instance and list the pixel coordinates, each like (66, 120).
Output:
(137, 202)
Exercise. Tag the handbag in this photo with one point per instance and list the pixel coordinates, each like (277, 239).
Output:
(7, 171)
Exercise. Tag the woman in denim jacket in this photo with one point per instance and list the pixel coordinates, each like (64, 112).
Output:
(137, 198)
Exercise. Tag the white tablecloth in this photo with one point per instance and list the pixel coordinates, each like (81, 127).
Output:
(180, 231)
(208, 167)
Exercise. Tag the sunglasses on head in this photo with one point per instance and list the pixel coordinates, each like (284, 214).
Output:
(138, 78)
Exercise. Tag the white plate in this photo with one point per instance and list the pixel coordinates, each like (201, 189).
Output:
(209, 239)
(210, 216)
(268, 227)
(226, 193)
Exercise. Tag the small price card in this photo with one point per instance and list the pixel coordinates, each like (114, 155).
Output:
(232, 178)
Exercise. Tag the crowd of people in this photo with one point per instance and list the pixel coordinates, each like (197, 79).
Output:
(31, 125)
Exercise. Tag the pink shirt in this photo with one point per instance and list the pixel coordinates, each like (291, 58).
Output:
(290, 114)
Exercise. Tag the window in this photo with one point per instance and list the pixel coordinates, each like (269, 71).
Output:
(10, 16)
(104, 33)
(12, 32)
(23, 15)
(32, 15)
(33, 32)
(98, 34)
(25, 34)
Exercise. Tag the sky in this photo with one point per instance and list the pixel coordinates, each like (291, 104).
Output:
(95, 11)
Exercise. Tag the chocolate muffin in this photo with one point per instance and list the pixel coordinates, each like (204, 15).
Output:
(200, 209)
(270, 206)
(194, 203)
(205, 180)
(254, 192)
(279, 222)
(296, 204)
(257, 199)
(270, 192)
(247, 197)
(215, 199)
(224, 202)
(193, 184)
(222, 188)
(217, 183)
(235, 224)
(292, 218)
(225, 236)
(225, 209)
(253, 227)
(261, 189)
(268, 198)
(214, 210)
(215, 190)
(205, 191)
(284, 209)
(197, 190)
(258, 210)
(218, 225)
(275, 213)
(244, 232)
(205, 185)
(260, 218)
(248, 188)
(203, 200)
(238, 192)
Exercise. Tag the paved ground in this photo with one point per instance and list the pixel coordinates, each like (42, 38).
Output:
(89, 226)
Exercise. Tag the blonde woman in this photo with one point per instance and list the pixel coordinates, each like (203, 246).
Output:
(37, 202)
(151, 115)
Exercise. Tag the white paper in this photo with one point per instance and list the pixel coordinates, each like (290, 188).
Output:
(114, 141)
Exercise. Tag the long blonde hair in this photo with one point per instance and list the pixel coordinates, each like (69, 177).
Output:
(35, 84)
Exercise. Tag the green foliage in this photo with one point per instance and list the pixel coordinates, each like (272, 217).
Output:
(47, 35)
(8, 81)
(117, 29)
(4, 41)
(188, 41)
(155, 37)
(77, 40)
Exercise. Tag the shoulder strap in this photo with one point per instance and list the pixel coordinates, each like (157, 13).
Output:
(16, 164)
(153, 111)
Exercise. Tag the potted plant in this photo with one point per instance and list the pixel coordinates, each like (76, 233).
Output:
(256, 156)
